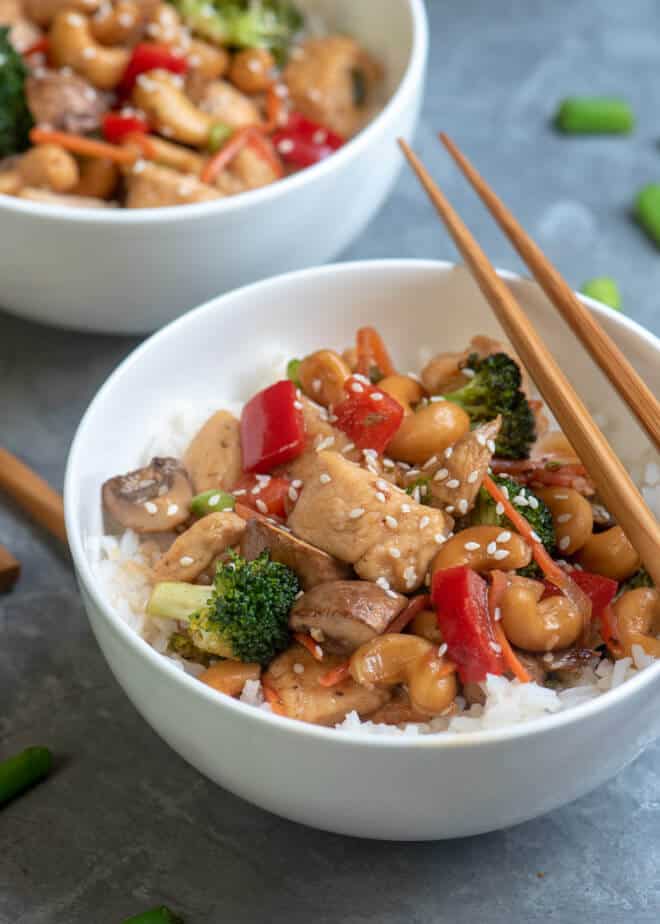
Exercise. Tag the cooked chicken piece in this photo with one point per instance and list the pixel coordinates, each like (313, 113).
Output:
(44, 11)
(74, 201)
(11, 11)
(467, 465)
(342, 615)
(176, 156)
(294, 676)
(152, 499)
(319, 435)
(150, 186)
(213, 458)
(333, 81)
(362, 519)
(248, 170)
(22, 33)
(225, 103)
(310, 564)
(193, 551)
(64, 101)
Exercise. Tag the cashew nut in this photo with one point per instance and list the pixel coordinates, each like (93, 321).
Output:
(483, 548)
(538, 625)
(98, 178)
(49, 166)
(251, 70)
(73, 45)
(404, 390)
(44, 11)
(428, 432)
(610, 554)
(169, 110)
(118, 24)
(638, 620)
(230, 677)
(572, 517)
(322, 376)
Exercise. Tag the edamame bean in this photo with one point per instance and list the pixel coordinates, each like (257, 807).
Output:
(594, 115)
(603, 289)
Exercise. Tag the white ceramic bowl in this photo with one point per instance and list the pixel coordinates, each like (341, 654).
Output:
(395, 788)
(131, 271)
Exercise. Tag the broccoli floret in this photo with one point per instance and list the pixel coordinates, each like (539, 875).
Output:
(640, 578)
(267, 24)
(495, 389)
(15, 117)
(528, 505)
(244, 616)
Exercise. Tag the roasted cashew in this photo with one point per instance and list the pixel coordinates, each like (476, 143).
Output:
(73, 45)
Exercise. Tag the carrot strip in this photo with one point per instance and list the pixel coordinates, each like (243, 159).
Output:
(275, 110)
(371, 351)
(226, 154)
(335, 675)
(141, 140)
(499, 584)
(88, 147)
(406, 616)
(39, 47)
(264, 148)
(550, 568)
(273, 700)
(308, 642)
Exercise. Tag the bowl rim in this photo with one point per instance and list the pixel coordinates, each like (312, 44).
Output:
(413, 77)
(127, 635)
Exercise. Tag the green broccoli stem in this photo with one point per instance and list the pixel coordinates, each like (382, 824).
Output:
(23, 770)
(177, 600)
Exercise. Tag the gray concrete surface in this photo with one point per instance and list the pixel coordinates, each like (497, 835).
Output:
(124, 823)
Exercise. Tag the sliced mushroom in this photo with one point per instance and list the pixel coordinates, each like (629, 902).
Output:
(192, 552)
(214, 456)
(310, 564)
(152, 499)
(294, 677)
(342, 615)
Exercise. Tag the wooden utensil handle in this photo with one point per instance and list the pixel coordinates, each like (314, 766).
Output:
(33, 494)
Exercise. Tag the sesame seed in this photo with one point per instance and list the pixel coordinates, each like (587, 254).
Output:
(239, 492)
(317, 385)
(383, 583)
(430, 462)
(297, 483)
(564, 542)
(388, 463)
(472, 546)
(348, 447)
(356, 387)
(497, 614)
(499, 509)
(89, 52)
(520, 500)
(172, 510)
(285, 146)
(150, 507)
(377, 396)
(505, 491)
(414, 471)
(467, 372)
(392, 593)
(496, 648)
(535, 536)
(435, 398)
(293, 494)
(453, 483)
(499, 554)
(261, 506)
(439, 538)
(533, 502)
(325, 443)
(561, 496)
(472, 477)
(405, 508)
(139, 166)
(480, 438)
(450, 508)
(391, 522)
(491, 445)
(370, 454)
(382, 485)
(462, 505)
(417, 495)
(410, 576)
(318, 651)
(380, 497)
(324, 478)
(441, 474)
(298, 668)
(449, 451)
(424, 522)
(298, 405)
(394, 552)
(214, 500)
(491, 548)
(301, 593)
(186, 560)
(256, 489)
(564, 517)
(504, 536)
(332, 418)
(356, 513)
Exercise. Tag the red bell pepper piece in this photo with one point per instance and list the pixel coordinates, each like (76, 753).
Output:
(600, 590)
(268, 497)
(149, 56)
(303, 143)
(460, 599)
(116, 127)
(369, 416)
(272, 428)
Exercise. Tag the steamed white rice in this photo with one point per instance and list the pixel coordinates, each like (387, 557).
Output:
(122, 567)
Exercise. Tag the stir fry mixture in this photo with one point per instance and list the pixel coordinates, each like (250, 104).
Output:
(143, 103)
(368, 541)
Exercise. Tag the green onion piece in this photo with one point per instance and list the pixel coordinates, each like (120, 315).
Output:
(212, 502)
(219, 133)
(160, 915)
(23, 770)
(647, 210)
(603, 289)
(594, 115)
(292, 371)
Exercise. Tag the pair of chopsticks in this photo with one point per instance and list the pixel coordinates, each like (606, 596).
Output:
(614, 485)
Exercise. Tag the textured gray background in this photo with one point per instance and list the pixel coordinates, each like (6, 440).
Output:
(125, 823)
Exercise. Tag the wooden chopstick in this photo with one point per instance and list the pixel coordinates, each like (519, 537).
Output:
(32, 493)
(600, 346)
(614, 485)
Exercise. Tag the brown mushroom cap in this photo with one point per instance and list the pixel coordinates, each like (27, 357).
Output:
(152, 499)
(342, 615)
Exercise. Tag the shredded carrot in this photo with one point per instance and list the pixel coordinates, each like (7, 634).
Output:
(39, 47)
(335, 675)
(88, 147)
(406, 616)
(141, 140)
(273, 700)
(550, 568)
(275, 110)
(226, 154)
(498, 586)
(371, 351)
(308, 642)
(608, 631)
(264, 148)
